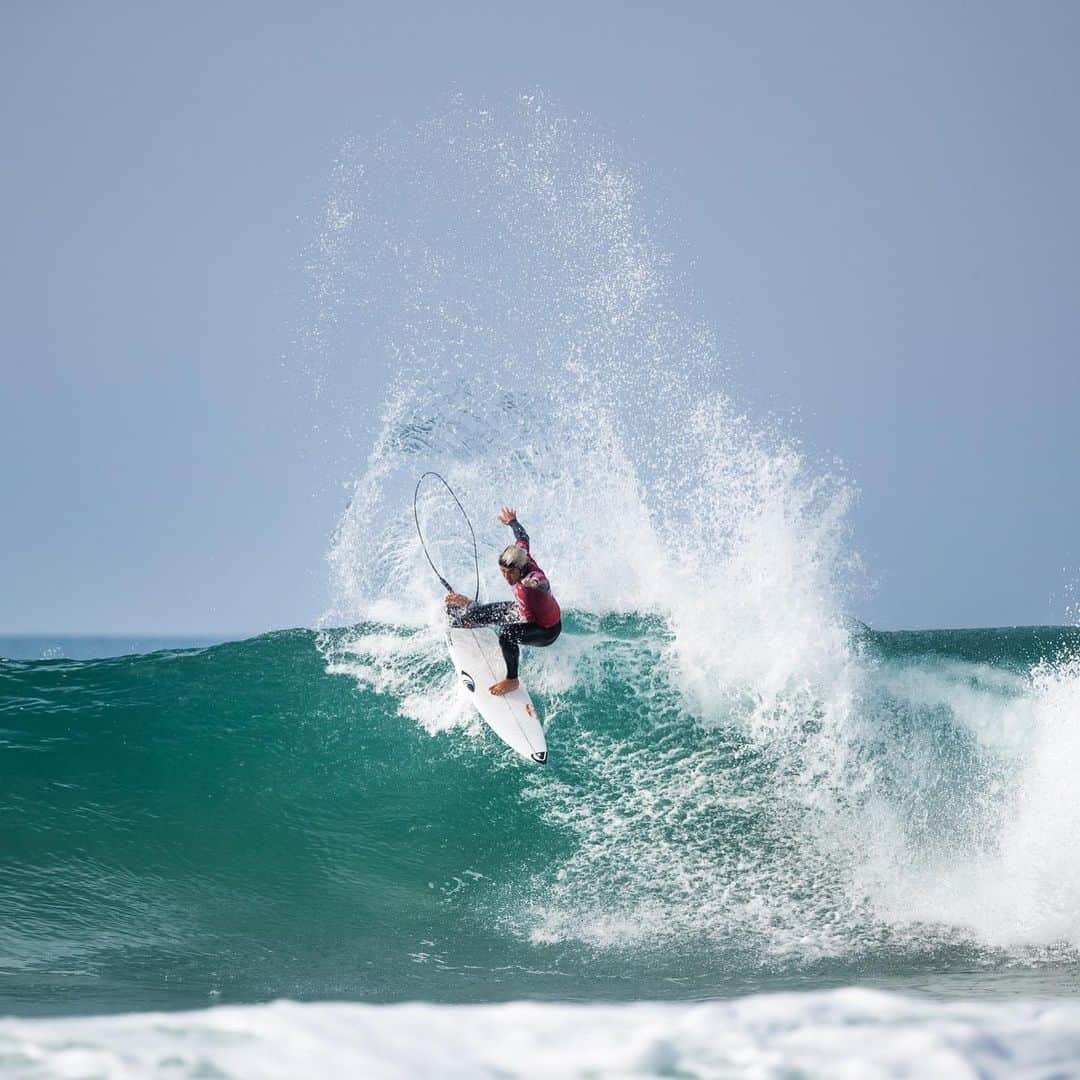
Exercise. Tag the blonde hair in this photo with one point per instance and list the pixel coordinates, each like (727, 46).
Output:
(514, 558)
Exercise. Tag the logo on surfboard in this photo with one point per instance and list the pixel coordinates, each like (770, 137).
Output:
(467, 679)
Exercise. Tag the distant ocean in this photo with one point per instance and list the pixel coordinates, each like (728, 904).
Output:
(89, 647)
(770, 840)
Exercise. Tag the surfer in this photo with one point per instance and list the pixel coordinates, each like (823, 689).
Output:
(533, 618)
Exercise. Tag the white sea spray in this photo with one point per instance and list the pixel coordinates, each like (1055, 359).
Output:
(504, 268)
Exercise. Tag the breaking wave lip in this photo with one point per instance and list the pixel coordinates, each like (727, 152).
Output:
(847, 1031)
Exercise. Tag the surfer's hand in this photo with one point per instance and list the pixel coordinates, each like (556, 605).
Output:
(506, 515)
(455, 599)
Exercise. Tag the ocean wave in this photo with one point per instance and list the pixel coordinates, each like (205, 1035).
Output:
(257, 825)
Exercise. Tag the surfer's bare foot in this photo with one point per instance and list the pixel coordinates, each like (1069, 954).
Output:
(503, 686)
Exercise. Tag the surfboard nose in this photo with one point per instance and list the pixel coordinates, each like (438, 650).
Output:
(540, 757)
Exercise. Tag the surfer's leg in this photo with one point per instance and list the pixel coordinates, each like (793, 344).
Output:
(524, 633)
(489, 614)
(508, 642)
(540, 636)
(530, 634)
(511, 638)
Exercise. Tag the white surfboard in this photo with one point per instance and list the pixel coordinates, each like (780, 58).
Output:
(478, 662)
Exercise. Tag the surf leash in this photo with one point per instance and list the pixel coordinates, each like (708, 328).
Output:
(420, 532)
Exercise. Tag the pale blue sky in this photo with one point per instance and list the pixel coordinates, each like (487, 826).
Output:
(879, 203)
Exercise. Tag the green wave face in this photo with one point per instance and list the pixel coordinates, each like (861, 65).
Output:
(247, 821)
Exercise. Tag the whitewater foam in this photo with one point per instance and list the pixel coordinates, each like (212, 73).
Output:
(1018, 885)
(847, 1032)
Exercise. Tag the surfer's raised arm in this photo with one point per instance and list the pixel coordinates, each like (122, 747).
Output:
(509, 517)
(534, 578)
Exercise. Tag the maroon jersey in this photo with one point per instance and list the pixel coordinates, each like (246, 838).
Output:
(533, 592)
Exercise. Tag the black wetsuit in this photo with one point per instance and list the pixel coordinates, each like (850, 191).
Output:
(512, 631)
